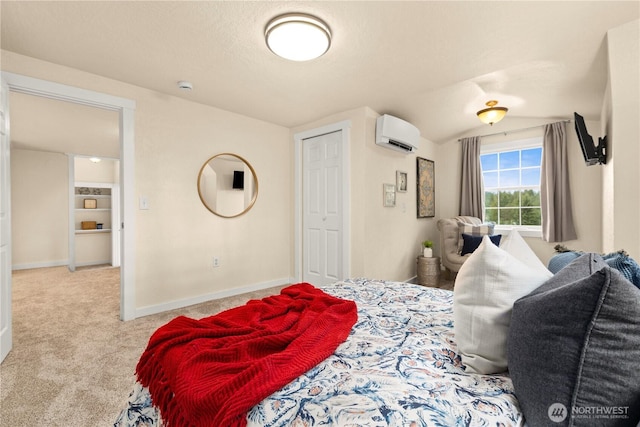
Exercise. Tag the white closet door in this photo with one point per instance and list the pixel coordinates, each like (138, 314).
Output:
(322, 209)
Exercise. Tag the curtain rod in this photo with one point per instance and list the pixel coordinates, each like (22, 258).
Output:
(506, 132)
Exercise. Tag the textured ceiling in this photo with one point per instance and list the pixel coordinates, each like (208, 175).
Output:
(431, 63)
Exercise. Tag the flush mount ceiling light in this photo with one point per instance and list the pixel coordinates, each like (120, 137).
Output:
(492, 114)
(95, 159)
(297, 36)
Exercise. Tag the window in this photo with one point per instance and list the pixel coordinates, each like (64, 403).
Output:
(511, 175)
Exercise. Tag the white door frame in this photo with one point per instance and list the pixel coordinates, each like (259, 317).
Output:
(126, 109)
(6, 338)
(345, 127)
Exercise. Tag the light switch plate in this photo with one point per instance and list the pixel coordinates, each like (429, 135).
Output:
(143, 203)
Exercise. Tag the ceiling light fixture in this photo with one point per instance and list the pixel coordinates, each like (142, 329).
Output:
(297, 36)
(95, 159)
(492, 114)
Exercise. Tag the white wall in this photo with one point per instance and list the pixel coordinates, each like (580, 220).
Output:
(621, 180)
(177, 238)
(394, 235)
(39, 209)
(105, 171)
(586, 185)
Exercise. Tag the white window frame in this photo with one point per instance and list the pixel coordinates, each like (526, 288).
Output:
(520, 144)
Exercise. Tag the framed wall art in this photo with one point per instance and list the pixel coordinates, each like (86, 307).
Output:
(426, 188)
(401, 182)
(389, 195)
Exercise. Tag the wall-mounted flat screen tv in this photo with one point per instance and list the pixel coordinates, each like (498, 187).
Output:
(238, 180)
(593, 154)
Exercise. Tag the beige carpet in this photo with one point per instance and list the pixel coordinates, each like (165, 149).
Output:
(73, 360)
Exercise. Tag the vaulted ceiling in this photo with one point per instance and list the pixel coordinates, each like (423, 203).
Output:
(431, 63)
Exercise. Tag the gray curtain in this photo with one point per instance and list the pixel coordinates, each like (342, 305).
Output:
(471, 190)
(557, 215)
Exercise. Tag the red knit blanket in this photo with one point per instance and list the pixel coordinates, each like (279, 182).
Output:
(210, 372)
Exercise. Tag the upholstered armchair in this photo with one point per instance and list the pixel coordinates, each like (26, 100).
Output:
(450, 240)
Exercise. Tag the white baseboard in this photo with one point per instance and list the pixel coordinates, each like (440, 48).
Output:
(172, 305)
(87, 264)
(39, 265)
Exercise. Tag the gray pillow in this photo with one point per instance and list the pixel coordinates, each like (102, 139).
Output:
(573, 348)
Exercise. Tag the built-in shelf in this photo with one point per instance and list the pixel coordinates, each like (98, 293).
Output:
(96, 230)
(101, 213)
(101, 202)
(93, 203)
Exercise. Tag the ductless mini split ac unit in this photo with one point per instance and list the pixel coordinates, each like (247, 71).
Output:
(396, 134)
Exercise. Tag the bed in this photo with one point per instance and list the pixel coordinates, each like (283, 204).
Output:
(399, 366)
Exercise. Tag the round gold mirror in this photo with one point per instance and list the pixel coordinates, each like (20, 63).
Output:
(227, 185)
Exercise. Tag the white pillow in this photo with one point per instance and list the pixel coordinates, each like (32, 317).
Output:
(487, 285)
(516, 246)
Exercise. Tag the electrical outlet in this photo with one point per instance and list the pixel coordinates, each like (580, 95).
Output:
(216, 262)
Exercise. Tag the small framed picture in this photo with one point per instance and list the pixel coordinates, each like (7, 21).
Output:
(401, 182)
(389, 196)
(90, 203)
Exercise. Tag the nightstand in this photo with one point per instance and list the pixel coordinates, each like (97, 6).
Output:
(429, 271)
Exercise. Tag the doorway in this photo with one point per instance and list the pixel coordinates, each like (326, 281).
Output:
(125, 111)
(322, 194)
(55, 143)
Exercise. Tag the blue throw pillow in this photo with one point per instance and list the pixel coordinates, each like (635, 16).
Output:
(471, 243)
(559, 261)
(620, 261)
(625, 265)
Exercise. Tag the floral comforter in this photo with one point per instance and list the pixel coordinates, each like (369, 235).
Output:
(399, 367)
